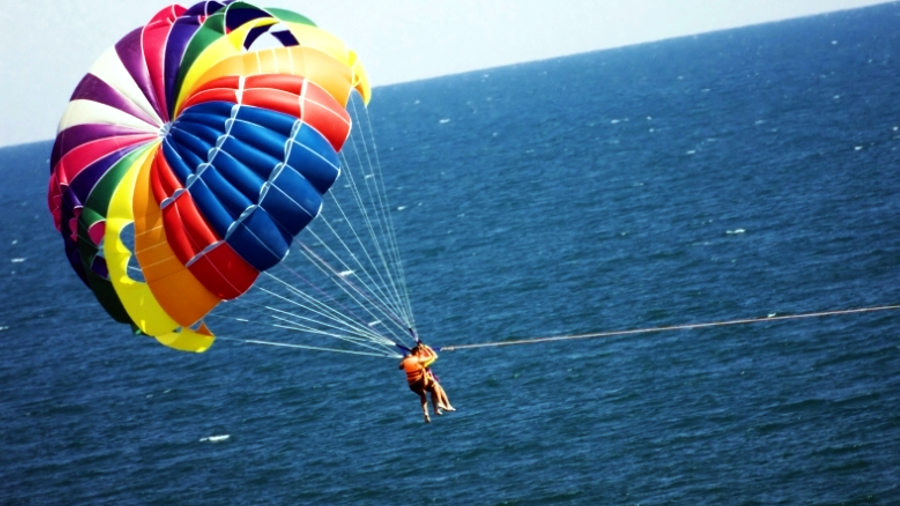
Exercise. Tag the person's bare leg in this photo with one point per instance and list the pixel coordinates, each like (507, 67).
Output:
(443, 401)
(436, 401)
(446, 402)
(424, 401)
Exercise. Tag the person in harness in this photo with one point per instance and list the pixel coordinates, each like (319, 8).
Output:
(416, 364)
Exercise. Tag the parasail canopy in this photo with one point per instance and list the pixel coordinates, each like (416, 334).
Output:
(191, 155)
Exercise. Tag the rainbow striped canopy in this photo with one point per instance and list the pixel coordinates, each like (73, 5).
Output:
(192, 153)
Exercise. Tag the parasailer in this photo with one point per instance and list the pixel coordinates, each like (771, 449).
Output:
(422, 380)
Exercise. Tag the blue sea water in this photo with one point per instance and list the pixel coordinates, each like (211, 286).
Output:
(729, 175)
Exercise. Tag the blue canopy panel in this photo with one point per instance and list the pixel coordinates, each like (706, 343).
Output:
(256, 175)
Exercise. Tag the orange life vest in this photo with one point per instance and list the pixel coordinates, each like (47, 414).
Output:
(412, 367)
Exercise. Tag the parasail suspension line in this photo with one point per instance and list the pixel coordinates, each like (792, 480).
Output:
(350, 285)
(307, 347)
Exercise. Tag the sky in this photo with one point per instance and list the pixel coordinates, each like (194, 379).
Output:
(48, 45)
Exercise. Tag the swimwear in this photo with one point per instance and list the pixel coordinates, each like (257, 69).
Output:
(422, 385)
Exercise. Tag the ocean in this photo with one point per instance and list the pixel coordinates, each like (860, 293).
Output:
(733, 175)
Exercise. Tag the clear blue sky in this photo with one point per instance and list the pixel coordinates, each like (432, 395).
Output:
(48, 45)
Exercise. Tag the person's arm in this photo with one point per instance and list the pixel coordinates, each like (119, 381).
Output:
(432, 356)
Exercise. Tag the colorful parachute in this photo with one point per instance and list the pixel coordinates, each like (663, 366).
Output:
(192, 153)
